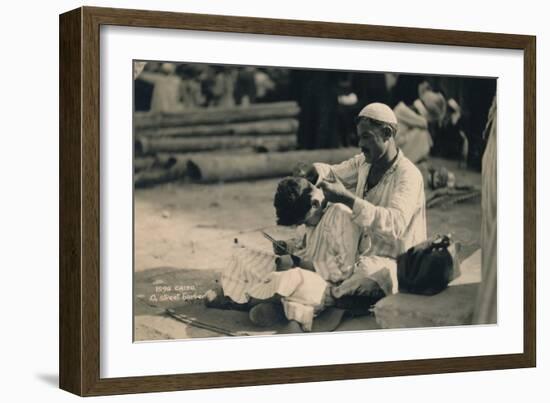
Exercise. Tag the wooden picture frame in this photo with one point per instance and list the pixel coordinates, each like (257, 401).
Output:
(79, 346)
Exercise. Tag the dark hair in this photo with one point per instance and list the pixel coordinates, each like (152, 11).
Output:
(292, 200)
(385, 127)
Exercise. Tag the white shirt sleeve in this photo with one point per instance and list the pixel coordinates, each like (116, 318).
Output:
(391, 222)
(346, 172)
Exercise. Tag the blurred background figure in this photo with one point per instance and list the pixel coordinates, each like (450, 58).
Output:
(474, 95)
(449, 138)
(431, 126)
(190, 91)
(387, 88)
(253, 85)
(348, 108)
(218, 85)
(414, 120)
(166, 88)
(486, 311)
(316, 92)
(264, 84)
(403, 87)
(245, 86)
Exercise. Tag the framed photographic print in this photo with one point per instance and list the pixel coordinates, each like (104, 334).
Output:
(249, 201)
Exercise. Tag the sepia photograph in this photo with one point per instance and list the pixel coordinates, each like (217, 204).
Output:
(275, 200)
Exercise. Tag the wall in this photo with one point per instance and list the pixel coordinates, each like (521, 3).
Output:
(30, 197)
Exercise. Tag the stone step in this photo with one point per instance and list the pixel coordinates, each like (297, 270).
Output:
(452, 307)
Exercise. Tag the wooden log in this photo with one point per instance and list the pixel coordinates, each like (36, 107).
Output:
(158, 161)
(155, 176)
(262, 127)
(153, 145)
(146, 119)
(144, 163)
(164, 161)
(216, 168)
(217, 115)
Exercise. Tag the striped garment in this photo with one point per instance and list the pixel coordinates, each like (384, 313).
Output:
(332, 244)
(251, 274)
(247, 268)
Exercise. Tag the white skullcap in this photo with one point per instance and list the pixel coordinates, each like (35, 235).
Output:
(380, 112)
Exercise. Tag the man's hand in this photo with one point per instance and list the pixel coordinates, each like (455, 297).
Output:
(335, 192)
(307, 171)
(280, 248)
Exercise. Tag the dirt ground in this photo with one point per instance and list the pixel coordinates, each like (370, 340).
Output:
(193, 226)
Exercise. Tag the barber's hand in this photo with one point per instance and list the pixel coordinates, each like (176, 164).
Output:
(307, 171)
(358, 285)
(280, 248)
(335, 192)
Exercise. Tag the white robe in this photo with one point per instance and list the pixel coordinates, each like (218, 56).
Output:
(391, 215)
